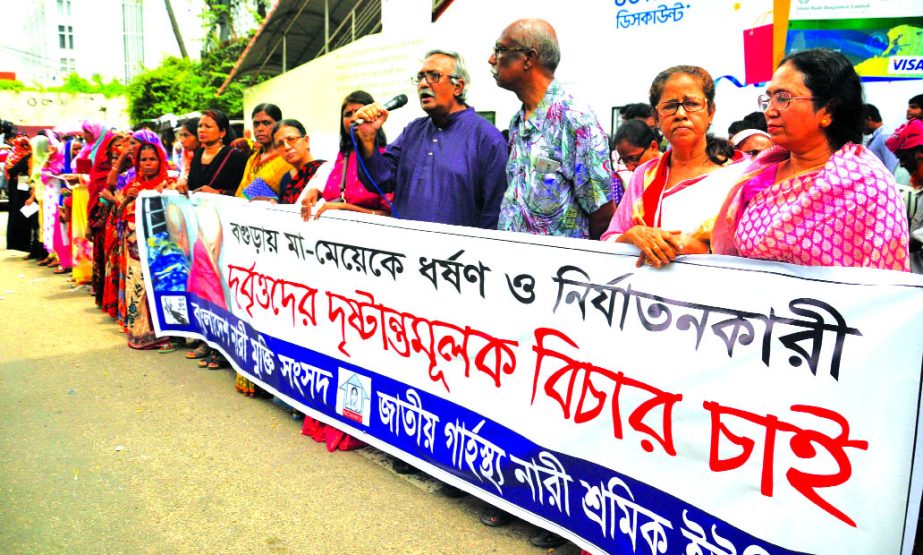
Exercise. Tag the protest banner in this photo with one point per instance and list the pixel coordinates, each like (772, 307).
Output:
(717, 406)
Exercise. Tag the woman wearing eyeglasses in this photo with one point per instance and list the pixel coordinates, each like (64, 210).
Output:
(635, 143)
(671, 201)
(292, 142)
(817, 198)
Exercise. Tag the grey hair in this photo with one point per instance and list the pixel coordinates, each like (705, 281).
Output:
(540, 35)
(461, 72)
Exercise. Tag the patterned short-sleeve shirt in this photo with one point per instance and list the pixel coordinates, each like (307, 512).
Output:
(558, 170)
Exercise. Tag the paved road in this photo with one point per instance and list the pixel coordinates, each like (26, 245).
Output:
(108, 450)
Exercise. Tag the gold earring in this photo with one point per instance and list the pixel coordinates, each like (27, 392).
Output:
(825, 122)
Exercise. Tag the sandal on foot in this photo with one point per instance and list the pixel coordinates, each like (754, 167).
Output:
(169, 347)
(218, 363)
(207, 360)
(61, 270)
(201, 351)
(495, 518)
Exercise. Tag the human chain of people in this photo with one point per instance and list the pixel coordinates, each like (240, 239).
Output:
(461, 254)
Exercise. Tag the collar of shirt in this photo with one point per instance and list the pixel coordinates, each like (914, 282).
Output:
(528, 126)
(453, 117)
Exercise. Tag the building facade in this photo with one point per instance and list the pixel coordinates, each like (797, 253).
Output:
(113, 38)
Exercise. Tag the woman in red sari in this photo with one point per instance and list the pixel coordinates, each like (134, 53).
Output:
(670, 204)
(112, 240)
(104, 154)
(150, 175)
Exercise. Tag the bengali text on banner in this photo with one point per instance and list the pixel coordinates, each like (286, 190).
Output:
(717, 406)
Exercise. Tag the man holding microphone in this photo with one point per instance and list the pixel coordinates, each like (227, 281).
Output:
(448, 167)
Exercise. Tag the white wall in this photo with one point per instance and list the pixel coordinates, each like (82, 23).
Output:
(53, 109)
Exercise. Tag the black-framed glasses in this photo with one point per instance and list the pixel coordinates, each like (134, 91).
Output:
(432, 77)
(631, 160)
(780, 100)
(501, 49)
(291, 141)
(689, 105)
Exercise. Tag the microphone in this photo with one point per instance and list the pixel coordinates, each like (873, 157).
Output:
(393, 104)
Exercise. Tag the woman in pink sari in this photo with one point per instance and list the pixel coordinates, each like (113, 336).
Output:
(818, 198)
(78, 207)
(52, 193)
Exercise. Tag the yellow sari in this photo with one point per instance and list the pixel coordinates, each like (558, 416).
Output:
(270, 171)
(81, 247)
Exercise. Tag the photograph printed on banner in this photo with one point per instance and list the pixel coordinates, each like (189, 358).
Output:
(353, 396)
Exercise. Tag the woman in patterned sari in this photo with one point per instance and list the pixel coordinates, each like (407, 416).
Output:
(52, 224)
(818, 198)
(122, 173)
(150, 175)
(51, 192)
(293, 142)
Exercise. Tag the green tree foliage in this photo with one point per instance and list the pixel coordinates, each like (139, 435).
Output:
(217, 65)
(12, 85)
(180, 86)
(75, 84)
(176, 86)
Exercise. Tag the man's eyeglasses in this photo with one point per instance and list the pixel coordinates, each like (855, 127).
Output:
(432, 77)
(290, 141)
(689, 105)
(501, 49)
(780, 99)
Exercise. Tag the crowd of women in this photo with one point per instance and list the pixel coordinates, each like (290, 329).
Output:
(802, 190)
(73, 203)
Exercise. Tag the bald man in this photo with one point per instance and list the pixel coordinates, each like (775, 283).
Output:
(560, 178)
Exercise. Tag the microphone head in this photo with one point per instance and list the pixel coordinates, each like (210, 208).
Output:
(395, 103)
